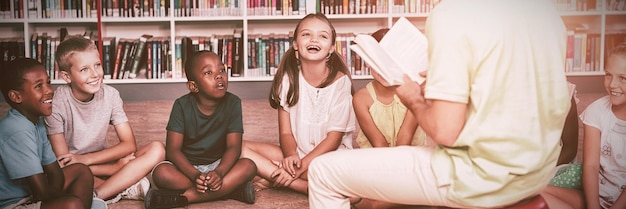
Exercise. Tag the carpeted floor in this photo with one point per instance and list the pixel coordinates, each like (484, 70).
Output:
(149, 118)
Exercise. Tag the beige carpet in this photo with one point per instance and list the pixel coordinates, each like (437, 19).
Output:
(149, 118)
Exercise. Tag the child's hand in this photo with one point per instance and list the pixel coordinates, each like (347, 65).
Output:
(303, 169)
(281, 178)
(208, 181)
(123, 161)
(69, 158)
(291, 164)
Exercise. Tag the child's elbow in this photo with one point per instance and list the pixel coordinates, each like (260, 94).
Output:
(445, 138)
(130, 148)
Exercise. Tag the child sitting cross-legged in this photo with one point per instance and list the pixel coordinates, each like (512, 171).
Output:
(203, 144)
(81, 114)
(30, 176)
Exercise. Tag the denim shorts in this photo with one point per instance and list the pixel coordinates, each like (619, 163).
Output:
(209, 167)
(201, 168)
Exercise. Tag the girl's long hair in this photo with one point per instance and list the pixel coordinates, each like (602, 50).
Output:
(289, 66)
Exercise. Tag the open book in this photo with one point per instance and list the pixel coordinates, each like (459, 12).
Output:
(403, 50)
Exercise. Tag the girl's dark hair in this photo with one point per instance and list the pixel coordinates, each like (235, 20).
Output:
(380, 33)
(289, 66)
(12, 75)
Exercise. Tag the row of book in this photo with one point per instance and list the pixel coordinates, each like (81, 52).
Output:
(129, 58)
(354, 6)
(579, 5)
(137, 8)
(11, 9)
(616, 5)
(228, 47)
(265, 52)
(123, 60)
(376, 6)
(414, 6)
(15, 9)
(43, 48)
(149, 57)
(61, 8)
(12, 48)
(196, 8)
(276, 7)
(583, 52)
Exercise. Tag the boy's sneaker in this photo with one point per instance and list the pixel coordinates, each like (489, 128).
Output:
(160, 199)
(137, 191)
(244, 193)
(98, 203)
(114, 199)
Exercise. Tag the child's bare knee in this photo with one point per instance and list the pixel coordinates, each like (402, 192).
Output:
(247, 162)
(157, 150)
(156, 146)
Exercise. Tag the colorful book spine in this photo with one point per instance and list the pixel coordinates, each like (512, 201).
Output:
(138, 55)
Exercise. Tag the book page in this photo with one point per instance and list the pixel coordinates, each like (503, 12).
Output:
(378, 59)
(408, 47)
(403, 50)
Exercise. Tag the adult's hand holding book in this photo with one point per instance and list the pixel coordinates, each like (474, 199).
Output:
(403, 50)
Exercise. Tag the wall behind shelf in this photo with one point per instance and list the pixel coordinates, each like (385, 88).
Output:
(260, 89)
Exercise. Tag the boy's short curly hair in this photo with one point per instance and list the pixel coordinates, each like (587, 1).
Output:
(68, 47)
(191, 60)
(12, 75)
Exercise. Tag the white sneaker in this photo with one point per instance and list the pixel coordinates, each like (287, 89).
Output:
(137, 191)
(98, 203)
(115, 199)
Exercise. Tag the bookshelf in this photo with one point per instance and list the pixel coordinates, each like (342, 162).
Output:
(597, 23)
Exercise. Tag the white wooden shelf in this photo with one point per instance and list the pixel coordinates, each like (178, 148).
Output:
(600, 21)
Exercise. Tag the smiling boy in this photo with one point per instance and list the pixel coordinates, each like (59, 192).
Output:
(77, 128)
(30, 176)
